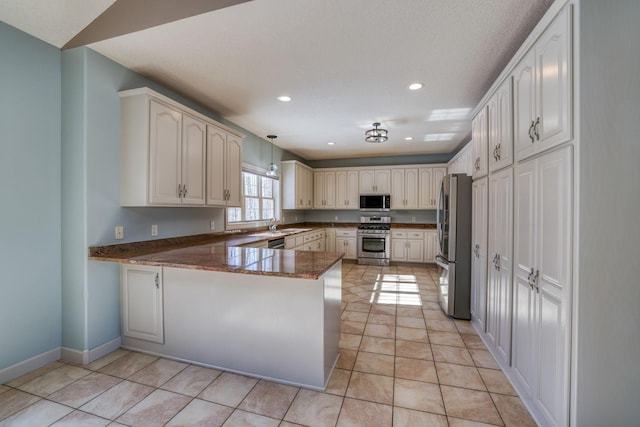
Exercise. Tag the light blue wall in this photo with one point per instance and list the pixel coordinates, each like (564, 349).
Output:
(30, 193)
(91, 159)
(607, 360)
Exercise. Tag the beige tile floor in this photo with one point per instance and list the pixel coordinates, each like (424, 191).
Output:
(403, 363)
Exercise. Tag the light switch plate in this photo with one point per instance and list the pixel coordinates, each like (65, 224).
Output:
(119, 232)
(154, 230)
(212, 225)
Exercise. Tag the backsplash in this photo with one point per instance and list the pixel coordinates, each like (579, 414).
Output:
(336, 216)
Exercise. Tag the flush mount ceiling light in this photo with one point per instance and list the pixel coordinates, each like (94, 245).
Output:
(415, 86)
(409, 138)
(331, 143)
(376, 134)
(284, 98)
(273, 169)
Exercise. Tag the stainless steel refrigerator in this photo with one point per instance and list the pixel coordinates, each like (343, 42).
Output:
(454, 238)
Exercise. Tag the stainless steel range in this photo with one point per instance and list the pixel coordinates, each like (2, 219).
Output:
(374, 240)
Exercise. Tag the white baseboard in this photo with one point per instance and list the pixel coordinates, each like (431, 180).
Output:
(104, 349)
(79, 357)
(84, 357)
(31, 364)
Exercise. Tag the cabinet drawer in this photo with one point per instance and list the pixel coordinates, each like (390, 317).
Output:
(416, 234)
(399, 234)
(345, 233)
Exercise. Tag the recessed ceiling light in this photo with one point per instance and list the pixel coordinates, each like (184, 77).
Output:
(331, 143)
(415, 86)
(284, 98)
(409, 138)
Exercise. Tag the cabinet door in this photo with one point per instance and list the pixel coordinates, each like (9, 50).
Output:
(524, 107)
(480, 136)
(398, 200)
(479, 255)
(142, 309)
(194, 139)
(330, 190)
(499, 268)
(501, 127)
(366, 181)
(426, 187)
(308, 187)
(553, 285)
(398, 249)
(431, 246)
(411, 193)
(330, 239)
(553, 79)
(436, 180)
(524, 301)
(233, 170)
(319, 189)
(165, 135)
(415, 250)
(503, 232)
(383, 181)
(216, 141)
(352, 248)
(347, 189)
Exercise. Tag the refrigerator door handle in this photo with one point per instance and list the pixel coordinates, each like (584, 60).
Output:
(442, 259)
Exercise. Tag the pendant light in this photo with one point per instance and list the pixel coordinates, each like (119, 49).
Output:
(273, 169)
(376, 134)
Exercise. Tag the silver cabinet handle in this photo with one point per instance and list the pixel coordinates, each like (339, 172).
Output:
(157, 280)
(184, 190)
(179, 191)
(531, 130)
(535, 281)
(536, 128)
(531, 279)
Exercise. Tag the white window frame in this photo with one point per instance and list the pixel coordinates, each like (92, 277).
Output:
(276, 198)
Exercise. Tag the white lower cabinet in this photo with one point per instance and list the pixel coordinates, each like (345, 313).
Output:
(430, 245)
(346, 241)
(479, 254)
(500, 249)
(330, 239)
(542, 288)
(141, 295)
(407, 245)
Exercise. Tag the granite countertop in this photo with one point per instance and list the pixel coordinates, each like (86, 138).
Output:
(221, 252)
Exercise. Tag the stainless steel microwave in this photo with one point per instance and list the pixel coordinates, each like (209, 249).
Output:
(375, 202)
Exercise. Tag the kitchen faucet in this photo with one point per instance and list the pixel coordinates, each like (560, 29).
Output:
(272, 227)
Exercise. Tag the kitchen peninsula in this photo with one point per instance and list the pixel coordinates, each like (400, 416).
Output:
(269, 313)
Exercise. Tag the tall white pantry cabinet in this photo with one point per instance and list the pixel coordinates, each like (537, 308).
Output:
(522, 269)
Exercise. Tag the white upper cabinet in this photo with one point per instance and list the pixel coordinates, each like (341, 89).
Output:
(297, 185)
(542, 91)
(501, 127)
(404, 188)
(224, 168)
(480, 138)
(430, 180)
(163, 150)
(375, 181)
(324, 189)
(347, 192)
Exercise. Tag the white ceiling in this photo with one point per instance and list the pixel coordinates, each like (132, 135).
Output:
(344, 63)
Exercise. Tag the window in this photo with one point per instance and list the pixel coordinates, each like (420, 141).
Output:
(260, 200)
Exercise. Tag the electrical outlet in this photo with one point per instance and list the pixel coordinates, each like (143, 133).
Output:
(119, 232)
(154, 230)
(212, 225)
(296, 219)
(413, 219)
(335, 218)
